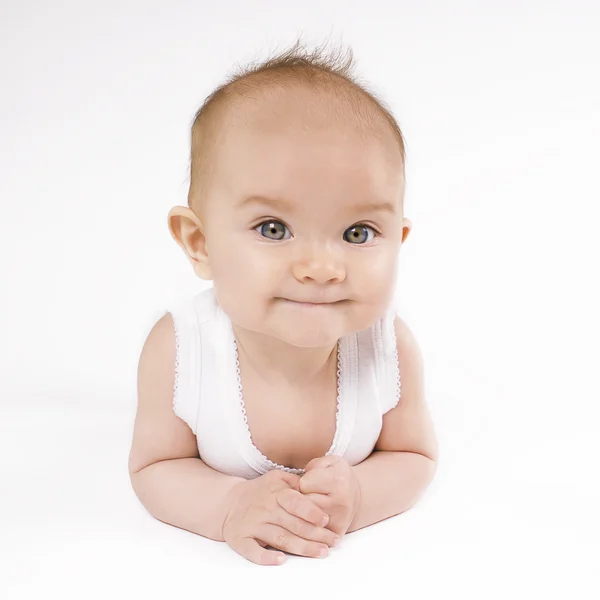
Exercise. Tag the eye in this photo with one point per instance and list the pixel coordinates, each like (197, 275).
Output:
(359, 234)
(272, 230)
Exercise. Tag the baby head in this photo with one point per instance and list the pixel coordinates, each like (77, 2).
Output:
(296, 199)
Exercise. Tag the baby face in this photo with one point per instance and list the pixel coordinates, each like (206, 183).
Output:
(304, 225)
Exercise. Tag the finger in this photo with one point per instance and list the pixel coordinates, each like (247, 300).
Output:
(323, 501)
(322, 462)
(296, 504)
(304, 529)
(329, 505)
(319, 481)
(283, 539)
(250, 548)
(291, 479)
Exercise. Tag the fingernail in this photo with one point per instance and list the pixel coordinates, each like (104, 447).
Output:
(323, 552)
(336, 541)
(279, 559)
(325, 520)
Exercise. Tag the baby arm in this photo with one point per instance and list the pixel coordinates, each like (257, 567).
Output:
(166, 473)
(404, 463)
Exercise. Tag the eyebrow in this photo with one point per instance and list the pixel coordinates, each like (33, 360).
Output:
(282, 204)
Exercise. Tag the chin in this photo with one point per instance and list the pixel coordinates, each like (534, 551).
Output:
(303, 336)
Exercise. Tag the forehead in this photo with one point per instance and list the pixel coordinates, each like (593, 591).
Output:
(307, 145)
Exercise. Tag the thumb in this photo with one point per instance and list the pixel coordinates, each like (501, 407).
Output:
(323, 462)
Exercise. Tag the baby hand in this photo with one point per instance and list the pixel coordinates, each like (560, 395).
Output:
(271, 511)
(330, 482)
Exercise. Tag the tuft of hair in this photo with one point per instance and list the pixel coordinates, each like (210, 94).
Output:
(317, 68)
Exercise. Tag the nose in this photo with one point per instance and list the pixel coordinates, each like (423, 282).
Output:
(320, 265)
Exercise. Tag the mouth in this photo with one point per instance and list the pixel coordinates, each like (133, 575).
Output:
(309, 304)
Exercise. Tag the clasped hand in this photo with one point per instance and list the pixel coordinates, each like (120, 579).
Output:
(331, 483)
(300, 515)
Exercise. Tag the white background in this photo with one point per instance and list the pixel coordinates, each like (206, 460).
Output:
(498, 102)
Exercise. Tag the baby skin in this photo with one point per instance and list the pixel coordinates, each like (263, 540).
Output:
(298, 224)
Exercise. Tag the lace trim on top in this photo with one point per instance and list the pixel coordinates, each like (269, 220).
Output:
(177, 364)
(269, 463)
(396, 365)
(338, 375)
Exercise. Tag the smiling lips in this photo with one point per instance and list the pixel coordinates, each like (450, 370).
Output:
(310, 303)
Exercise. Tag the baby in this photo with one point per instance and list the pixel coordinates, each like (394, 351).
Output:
(284, 407)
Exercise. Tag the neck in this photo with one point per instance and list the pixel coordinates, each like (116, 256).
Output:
(277, 362)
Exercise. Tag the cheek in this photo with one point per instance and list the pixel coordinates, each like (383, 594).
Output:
(243, 271)
(379, 274)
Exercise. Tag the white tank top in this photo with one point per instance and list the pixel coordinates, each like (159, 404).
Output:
(208, 389)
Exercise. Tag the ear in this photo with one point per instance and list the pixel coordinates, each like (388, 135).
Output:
(187, 230)
(406, 229)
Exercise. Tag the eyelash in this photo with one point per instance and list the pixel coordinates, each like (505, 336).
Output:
(376, 233)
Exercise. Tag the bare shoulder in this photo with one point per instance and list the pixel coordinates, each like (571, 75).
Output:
(408, 427)
(158, 433)
(409, 352)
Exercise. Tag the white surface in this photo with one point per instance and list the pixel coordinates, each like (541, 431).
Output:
(499, 105)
